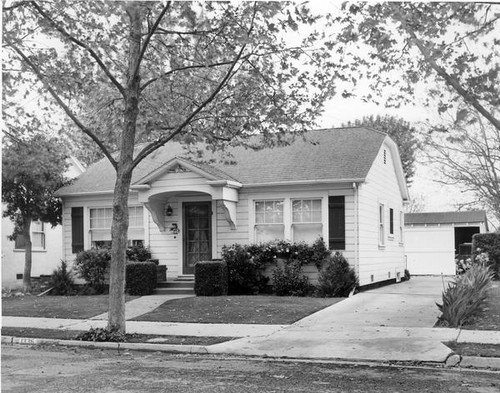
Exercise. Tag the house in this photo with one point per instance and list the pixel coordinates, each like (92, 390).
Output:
(433, 240)
(346, 185)
(47, 251)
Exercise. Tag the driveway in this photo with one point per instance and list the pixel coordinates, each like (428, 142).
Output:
(394, 322)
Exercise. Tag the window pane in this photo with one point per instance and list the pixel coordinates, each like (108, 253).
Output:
(306, 210)
(20, 244)
(307, 232)
(264, 233)
(38, 240)
(269, 212)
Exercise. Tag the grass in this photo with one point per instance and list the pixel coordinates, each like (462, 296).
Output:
(72, 307)
(488, 317)
(471, 349)
(268, 310)
(135, 338)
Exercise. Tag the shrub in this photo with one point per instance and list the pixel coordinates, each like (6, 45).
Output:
(140, 278)
(289, 280)
(210, 278)
(102, 334)
(407, 275)
(462, 297)
(462, 265)
(138, 253)
(336, 278)
(488, 243)
(92, 265)
(61, 281)
(245, 274)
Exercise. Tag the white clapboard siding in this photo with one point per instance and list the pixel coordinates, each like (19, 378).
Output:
(377, 263)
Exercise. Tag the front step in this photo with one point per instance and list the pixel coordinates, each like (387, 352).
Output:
(175, 287)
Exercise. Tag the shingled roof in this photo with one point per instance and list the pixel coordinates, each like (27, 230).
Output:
(331, 154)
(474, 216)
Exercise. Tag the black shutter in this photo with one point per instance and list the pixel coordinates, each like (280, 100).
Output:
(391, 221)
(76, 229)
(336, 222)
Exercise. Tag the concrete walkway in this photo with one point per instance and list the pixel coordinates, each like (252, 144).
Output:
(393, 323)
(143, 305)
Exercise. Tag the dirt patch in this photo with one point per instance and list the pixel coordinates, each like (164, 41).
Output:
(131, 338)
(269, 310)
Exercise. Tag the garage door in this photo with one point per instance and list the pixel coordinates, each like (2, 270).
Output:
(430, 250)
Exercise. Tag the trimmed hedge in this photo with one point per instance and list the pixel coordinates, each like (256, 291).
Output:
(488, 243)
(210, 278)
(140, 278)
(245, 274)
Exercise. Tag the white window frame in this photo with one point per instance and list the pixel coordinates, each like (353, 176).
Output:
(401, 227)
(131, 240)
(34, 230)
(295, 224)
(269, 224)
(287, 198)
(381, 224)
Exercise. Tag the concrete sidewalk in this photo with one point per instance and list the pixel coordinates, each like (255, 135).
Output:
(393, 323)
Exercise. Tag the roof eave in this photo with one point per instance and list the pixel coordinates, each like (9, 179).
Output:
(305, 182)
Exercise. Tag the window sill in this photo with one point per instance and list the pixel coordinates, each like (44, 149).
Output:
(381, 246)
(391, 237)
(33, 250)
(401, 244)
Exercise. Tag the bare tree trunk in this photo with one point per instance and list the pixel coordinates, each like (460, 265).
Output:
(119, 227)
(27, 255)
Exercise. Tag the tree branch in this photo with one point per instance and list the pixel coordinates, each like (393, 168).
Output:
(162, 141)
(453, 82)
(150, 34)
(81, 44)
(61, 103)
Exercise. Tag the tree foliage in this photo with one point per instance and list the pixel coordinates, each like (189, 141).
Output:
(124, 72)
(454, 47)
(32, 170)
(468, 155)
(402, 132)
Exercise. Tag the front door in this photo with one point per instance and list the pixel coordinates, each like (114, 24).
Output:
(197, 234)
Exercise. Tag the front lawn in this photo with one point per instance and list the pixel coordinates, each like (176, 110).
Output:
(72, 307)
(269, 310)
(488, 318)
(472, 349)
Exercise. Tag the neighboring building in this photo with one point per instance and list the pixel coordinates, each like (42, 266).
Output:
(433, 240)
(346, 185)
(47, 251)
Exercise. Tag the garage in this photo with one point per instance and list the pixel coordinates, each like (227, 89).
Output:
(433, 240)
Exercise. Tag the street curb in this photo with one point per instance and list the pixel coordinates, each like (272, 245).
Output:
(470, 362)
(192, 349)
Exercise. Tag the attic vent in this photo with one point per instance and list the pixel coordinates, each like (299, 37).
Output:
(177, 169)
(385, 156)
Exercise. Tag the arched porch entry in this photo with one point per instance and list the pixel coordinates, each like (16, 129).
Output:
(183, 230)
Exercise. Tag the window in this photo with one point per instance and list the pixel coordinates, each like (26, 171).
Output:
(269, 220)
(37, 237)
(38, 234)
(381, 229)
(391, 222)
(401, 226)
(100, 226)
(336, 222)
(306, 220)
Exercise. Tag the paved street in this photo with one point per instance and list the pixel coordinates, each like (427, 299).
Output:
(58, 369)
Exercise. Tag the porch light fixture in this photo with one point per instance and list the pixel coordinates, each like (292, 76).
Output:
(169, 210)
